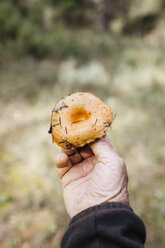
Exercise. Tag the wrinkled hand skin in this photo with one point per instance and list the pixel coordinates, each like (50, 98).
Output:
(92, 175)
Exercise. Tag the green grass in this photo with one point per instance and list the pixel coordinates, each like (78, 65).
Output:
(130, 78)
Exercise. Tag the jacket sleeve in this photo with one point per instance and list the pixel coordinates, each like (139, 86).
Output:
(106, 225)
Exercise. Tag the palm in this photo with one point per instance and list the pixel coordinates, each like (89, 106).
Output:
(92, 183)
(100, 177)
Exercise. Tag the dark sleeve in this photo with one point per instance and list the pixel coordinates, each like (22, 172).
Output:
(108, 225)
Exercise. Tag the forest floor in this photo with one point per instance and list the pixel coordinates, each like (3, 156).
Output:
(131, 79)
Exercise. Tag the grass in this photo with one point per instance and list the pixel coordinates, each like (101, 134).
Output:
(31, 205)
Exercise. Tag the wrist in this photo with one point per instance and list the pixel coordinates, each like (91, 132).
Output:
(122, 197)
(99, 207)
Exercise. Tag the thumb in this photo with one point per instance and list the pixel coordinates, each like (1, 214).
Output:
(103, 149)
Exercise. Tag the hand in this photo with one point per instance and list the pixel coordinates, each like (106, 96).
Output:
(92, 175)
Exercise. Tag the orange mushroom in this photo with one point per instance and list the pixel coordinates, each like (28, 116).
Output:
(79, 119)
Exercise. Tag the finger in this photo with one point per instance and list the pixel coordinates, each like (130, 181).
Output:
(63, 164)
(85, 152)
(69, 151)
(73, 154)
(81, 170)
(75, 158)
(62, 171)
(61, 160)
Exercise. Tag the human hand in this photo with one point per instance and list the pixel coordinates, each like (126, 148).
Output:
(92, 175)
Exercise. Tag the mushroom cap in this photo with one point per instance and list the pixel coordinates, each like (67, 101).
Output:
(79, 119)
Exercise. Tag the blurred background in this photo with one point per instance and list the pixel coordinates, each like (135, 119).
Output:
(112, 48)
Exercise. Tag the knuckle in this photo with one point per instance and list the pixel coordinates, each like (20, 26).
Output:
(57, 159)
